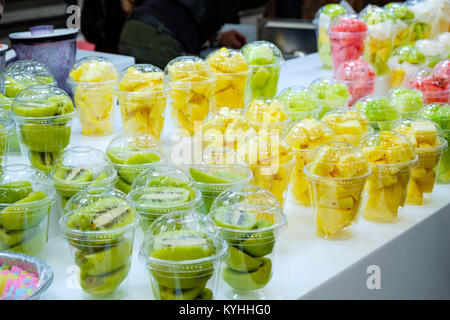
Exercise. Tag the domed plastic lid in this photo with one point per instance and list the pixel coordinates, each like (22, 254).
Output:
(423, 10)
(82, 166)
(347, 23)
(347, 121)
(219, 155)
(409, 54)
(327, 89)
(266, 111)
(374, 15)
(309, 133)
(188, 69)
(356, 71)
(430, 47)
(12, 82)
(262, 53)
(442, 71)
(38, 70)
(326, 13)
(6, 123)
(141, 78)
(425, 80)
(400, 11)
(245, 210)
(18, 181)
(422, 133)
(227, 61)
(298, 98)
(381, 109)
(93, 69)
(407, 100)
(42, 101)
(337, 160)
(225, 120)
(437, 112)
(185, 240)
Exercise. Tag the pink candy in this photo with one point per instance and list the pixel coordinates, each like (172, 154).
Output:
(16, 283)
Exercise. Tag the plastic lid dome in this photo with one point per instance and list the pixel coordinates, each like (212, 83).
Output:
(373, 15)
(437, 112)
(399, 10)
(137, 145)
(309, 133)
(38, 70)
(188, 69)
(422, 133)
(407, 100)
(327, 89)
(381, 109)
(262, 111)
(219, 155)
(141, 78)
(298, 98)
(6, 123)
(224, 119)
(347, 23)
(327, 12)
(409, 54)
(340, 116)
(227, 61)
(93, 69)
(262, 53)
(356, 70)
(12, 82)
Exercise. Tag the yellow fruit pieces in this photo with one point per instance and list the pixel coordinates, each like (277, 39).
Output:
(142, 100)
(377, 52)
(231, 72)
(305, 136)
(268, 114)
(349, 125)
(391, 158)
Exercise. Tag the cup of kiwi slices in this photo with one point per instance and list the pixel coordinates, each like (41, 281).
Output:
(44, 116)
(26, 198)
(7, 128)
(78, 168)
(183, 252)
(99, 225)
(249, 218)
(162, 189)
(131, 154)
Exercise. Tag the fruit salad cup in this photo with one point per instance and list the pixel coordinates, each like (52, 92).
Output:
(265, 61)
(131, 154)
(37, 69)
(7, 128)
(142, 99)
(407, 101)
(337, 174)
(330, 93)
(403, 63)
(231, 72)
(391, 158)
(192, 86)
(160, 190)
(99, 225)
(424, 136)
(183, 252)
(250, 219)
(347, 35)
(43, 115)
(440, 114)
(78, 168)
(268, 115)
(433, 86)
(92, 81)
(26, 198)
(405, 20)
(304, 137)
(359, 76)
(381, 112)
(322, 21)
(425, 19)
(300, 103)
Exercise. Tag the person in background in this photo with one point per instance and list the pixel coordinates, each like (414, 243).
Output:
(159, 30)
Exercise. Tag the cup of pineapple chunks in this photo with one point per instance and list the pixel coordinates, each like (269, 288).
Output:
(142, 99)
(183, 252)
(250, 220)
(337, 174)
(99, 225)
(26, 198)
(391, 158)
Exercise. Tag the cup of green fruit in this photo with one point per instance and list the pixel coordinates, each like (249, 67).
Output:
(250, 219)
(26, 198)
(265, 60)
(183, 252)
(37, 69)
(7, 128)
(382, 113)
(80, 167)
(131, 154)
(300, 103)
(408, 101)
(162, 189)
(99, 225)
(330, 93)
(43, 115)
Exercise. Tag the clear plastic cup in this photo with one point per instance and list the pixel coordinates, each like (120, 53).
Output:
(267, 115)
(7, 129)
(424, 136)
(37, 69)
(231, 72)
(425, 19)
(92, 81)
(130, 155)
(250, 220)
(337, 175)
(347, 34)
(304, 137)
(183, 252)
(381, 112)
(405, 20)
(391, 158)
(162, 189)
(265, 61)
(192, 84)
(407, 101)
(43, 116)
(142, 97)
(403, 63)
(26, 199)
(99, 225)
(433, 87)
(330, 94)
(300, 103)
(78, 168)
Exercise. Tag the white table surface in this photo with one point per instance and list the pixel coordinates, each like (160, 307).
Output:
(303, 262)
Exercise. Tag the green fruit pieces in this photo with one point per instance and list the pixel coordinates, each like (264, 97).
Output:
(131, 167)
(234, 218)
(259, 55)
(34, 242)
(14, 191)
(123, 186)
(42, 160)
(142, 158)
(219, 176)
(46, 137)
(249, 280)
(67, 180)
(104, 284)
(164, 293)
(240, 261)
(53, 106)
(184, 279)
(13, 238)
(206, 294)
(261, 243)
(165, 196)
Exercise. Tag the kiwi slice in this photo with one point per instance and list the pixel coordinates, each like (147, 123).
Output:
(46, 137)
(206, 294)
(163, 293)
(14, 191)
(104, 284)
(234, 218)
(165, 196)
(219, 176)
(12, 238)
(64, 177)
(168, 182)
(142, 158)
(261, 243)
(249, 280)
(240, 261)
(123, 186)
(62, 103)
(39, 109)
(33, 244)
(119, 155)
(182, 279)
(43, 160)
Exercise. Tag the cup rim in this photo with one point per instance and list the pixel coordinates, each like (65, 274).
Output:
(66, 116)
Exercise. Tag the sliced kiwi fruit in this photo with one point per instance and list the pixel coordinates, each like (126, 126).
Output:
(33, 244)
(261, 243)
(62, 103)
(123, 186)
(142, 158)
(219, 176)
(240, 261)
(67, 180)
(103, 284)
(164, 293)
(183, 279)
(167, 182)
(206, 294)
(249, 280)
(43, 160)
(40, 109)
(14, 191)
(46, 137)
(165, 196)
(234, 218)
(119, 155)
(12, 238)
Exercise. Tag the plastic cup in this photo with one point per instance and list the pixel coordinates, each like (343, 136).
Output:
(142, 99)
(268, 115)
(399, 70)
(99, 226)
(382, 113)
(407, 101)
(433, 87)
(300, 103)
(7, 129)
(250, 220)
(330, 94)
(37, 69)
(183, 253)
(27, 197)
(154, 193)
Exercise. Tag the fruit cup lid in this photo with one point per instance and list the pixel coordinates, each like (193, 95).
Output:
(262, 52)
(438, 112)
(93, 70)
(357, 70)
(409, 54)
(298, 99)
(7, 126)
(188, 69)
(37, 69)
(12, 82)
(347, 23)
(427, 80)
(374, 15)
(328, 89)
(219, 156)
(406, 100)
(327, 12)
(185, 240)
(442, 70)
(265, 111)
(341, 116)
(225, 121)
(141, 78)
(308, 133)
(400, 11)
(224, 60)
(380, 109)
